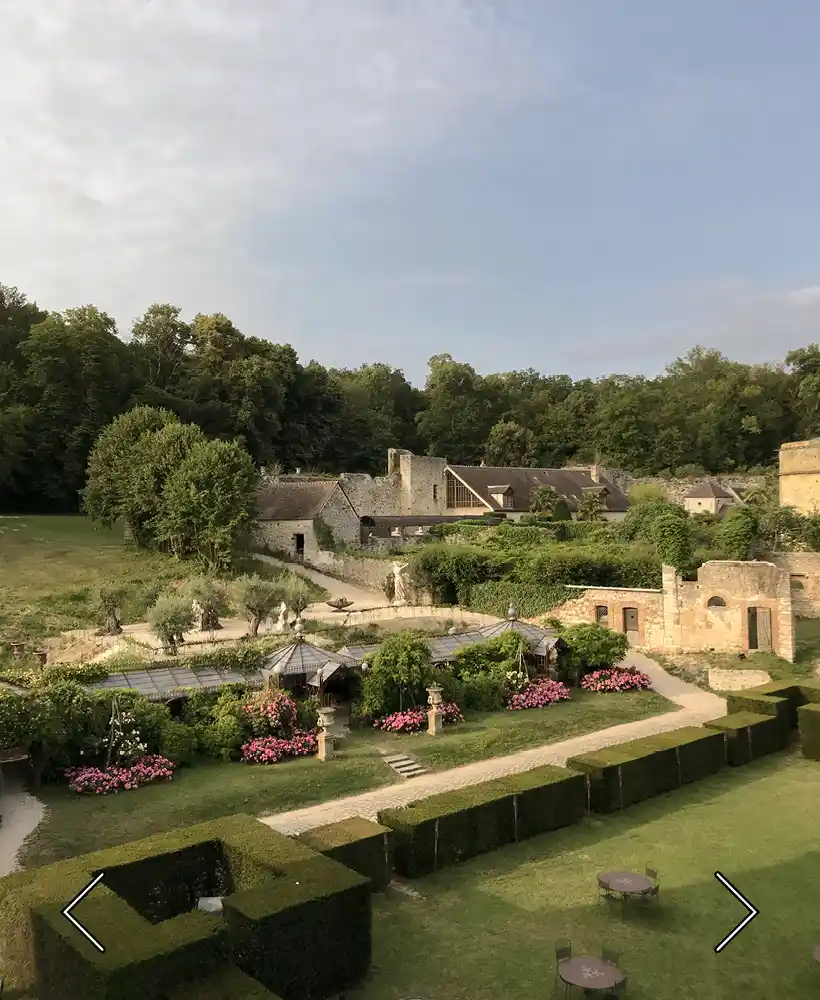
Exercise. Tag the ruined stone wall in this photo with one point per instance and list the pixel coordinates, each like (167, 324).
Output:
(648, 603)
(372, 496)
(799, 475)
(676, 488)
(678, 617)
(423, 489)
(367, 573)
(804, 570)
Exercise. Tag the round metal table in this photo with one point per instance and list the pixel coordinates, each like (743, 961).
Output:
(626, 883)
(590, 973)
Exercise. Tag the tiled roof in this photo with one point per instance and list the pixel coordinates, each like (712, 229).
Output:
(293, 501)
(568, 483)
(708, 489)
(163, 683)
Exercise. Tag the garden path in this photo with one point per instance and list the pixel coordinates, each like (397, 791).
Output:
(361, 597)
(21, 814)
(694, 707)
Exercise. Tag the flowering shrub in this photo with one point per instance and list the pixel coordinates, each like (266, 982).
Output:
(538, 694)
(270, 749)
(413, 720)
(271, 713)
(124, 742)
(614, 679)
(94, 781)
(517, 680)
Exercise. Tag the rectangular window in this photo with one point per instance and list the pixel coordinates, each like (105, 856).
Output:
(435, 494)
(508, 500)
(602, 614)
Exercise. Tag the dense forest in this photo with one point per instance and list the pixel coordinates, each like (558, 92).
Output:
(64, 376)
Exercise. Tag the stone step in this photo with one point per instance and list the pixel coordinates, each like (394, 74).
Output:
(404, 765)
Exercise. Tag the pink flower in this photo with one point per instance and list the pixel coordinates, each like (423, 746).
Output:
(93, 780)
(616, 679)
(538, 694)
(270, 749)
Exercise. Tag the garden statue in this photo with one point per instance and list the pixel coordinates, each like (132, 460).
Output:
(199, 614)
(435, 714)
(399, 583)
(282, 621)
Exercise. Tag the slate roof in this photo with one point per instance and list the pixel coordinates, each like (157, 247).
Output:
(541, 640)
(163, 683)
(294, 501)
(708, 489)
(568, 483)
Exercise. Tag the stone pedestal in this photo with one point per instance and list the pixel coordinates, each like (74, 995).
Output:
(435, 721)
(327, 746)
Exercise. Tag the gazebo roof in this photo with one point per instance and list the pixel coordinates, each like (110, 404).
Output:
(303, 657)
(165, 683)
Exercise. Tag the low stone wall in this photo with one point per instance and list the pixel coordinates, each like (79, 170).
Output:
(367, 573)
(455, 614)
(804, 570)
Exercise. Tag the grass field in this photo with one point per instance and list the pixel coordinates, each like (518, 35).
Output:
(487, 929)
(50, 568)
(76, 824)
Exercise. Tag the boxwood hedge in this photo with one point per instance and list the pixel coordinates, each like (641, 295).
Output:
(356, 843)
(750, 735)
(809, 723)
(444, 829)
(142, 912)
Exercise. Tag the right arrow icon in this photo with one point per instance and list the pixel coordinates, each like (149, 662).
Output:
(753, 912)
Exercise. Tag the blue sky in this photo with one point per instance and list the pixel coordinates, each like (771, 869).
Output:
(571, 186)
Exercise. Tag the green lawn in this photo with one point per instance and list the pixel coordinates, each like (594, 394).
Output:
(77, 824)
(487, 929)
(50, 568)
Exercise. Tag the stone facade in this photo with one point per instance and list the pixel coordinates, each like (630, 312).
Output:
(720, 611)
(804, 571)
(707, 505)
(676, 488)
(799, 475)
(297, 536)
(414, 484)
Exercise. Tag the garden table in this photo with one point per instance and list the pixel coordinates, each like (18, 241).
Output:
(626, 883)
(590, 973)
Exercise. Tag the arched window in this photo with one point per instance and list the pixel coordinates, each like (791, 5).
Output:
(716, 602)
(797, 585)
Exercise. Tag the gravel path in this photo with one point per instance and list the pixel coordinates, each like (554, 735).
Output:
(694, 707)
(21, 815)
(361, 597)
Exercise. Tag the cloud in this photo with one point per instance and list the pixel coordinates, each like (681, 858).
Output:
(140, 136)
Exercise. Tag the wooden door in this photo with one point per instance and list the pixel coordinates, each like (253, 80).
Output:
(631, 624)
(762, 620)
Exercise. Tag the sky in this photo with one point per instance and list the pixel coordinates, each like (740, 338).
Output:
(575, 186)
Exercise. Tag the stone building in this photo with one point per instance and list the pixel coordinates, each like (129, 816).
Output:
(799, 475)
(293, 516)
(732, 607)
(416, 492)
(709, 498)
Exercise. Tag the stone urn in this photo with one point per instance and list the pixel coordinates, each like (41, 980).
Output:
(434, 695)
(326, 716)
(326, 743)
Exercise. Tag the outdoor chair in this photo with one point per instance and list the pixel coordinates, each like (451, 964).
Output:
(606, 896)
(654, 892)
(563, 953)
(613, 958)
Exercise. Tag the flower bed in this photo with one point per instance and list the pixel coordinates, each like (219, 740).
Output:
(615, 679)
(539, 694)
(271, 749)
(413, 720)
(96, 781)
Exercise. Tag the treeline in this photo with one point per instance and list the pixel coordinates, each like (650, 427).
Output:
(65, 376)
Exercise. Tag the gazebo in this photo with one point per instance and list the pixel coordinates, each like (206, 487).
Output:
(304, 664)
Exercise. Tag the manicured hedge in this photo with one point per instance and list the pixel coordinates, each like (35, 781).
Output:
(356, 843)
(274, 885)
(229, 983)
(451, 827)
(618, 776)
(750, 735)
(809, 722)
(766, 699)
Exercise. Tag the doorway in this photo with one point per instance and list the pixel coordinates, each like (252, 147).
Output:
(631, 625)
(299, 540)
(760, 628)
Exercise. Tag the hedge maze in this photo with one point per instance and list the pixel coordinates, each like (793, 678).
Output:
(284, 905)
(296, 918)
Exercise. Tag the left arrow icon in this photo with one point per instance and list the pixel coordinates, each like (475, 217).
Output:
(70, 916)
(753, 912)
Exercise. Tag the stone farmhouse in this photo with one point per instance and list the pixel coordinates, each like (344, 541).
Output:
(710, 498)
(417, 491)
